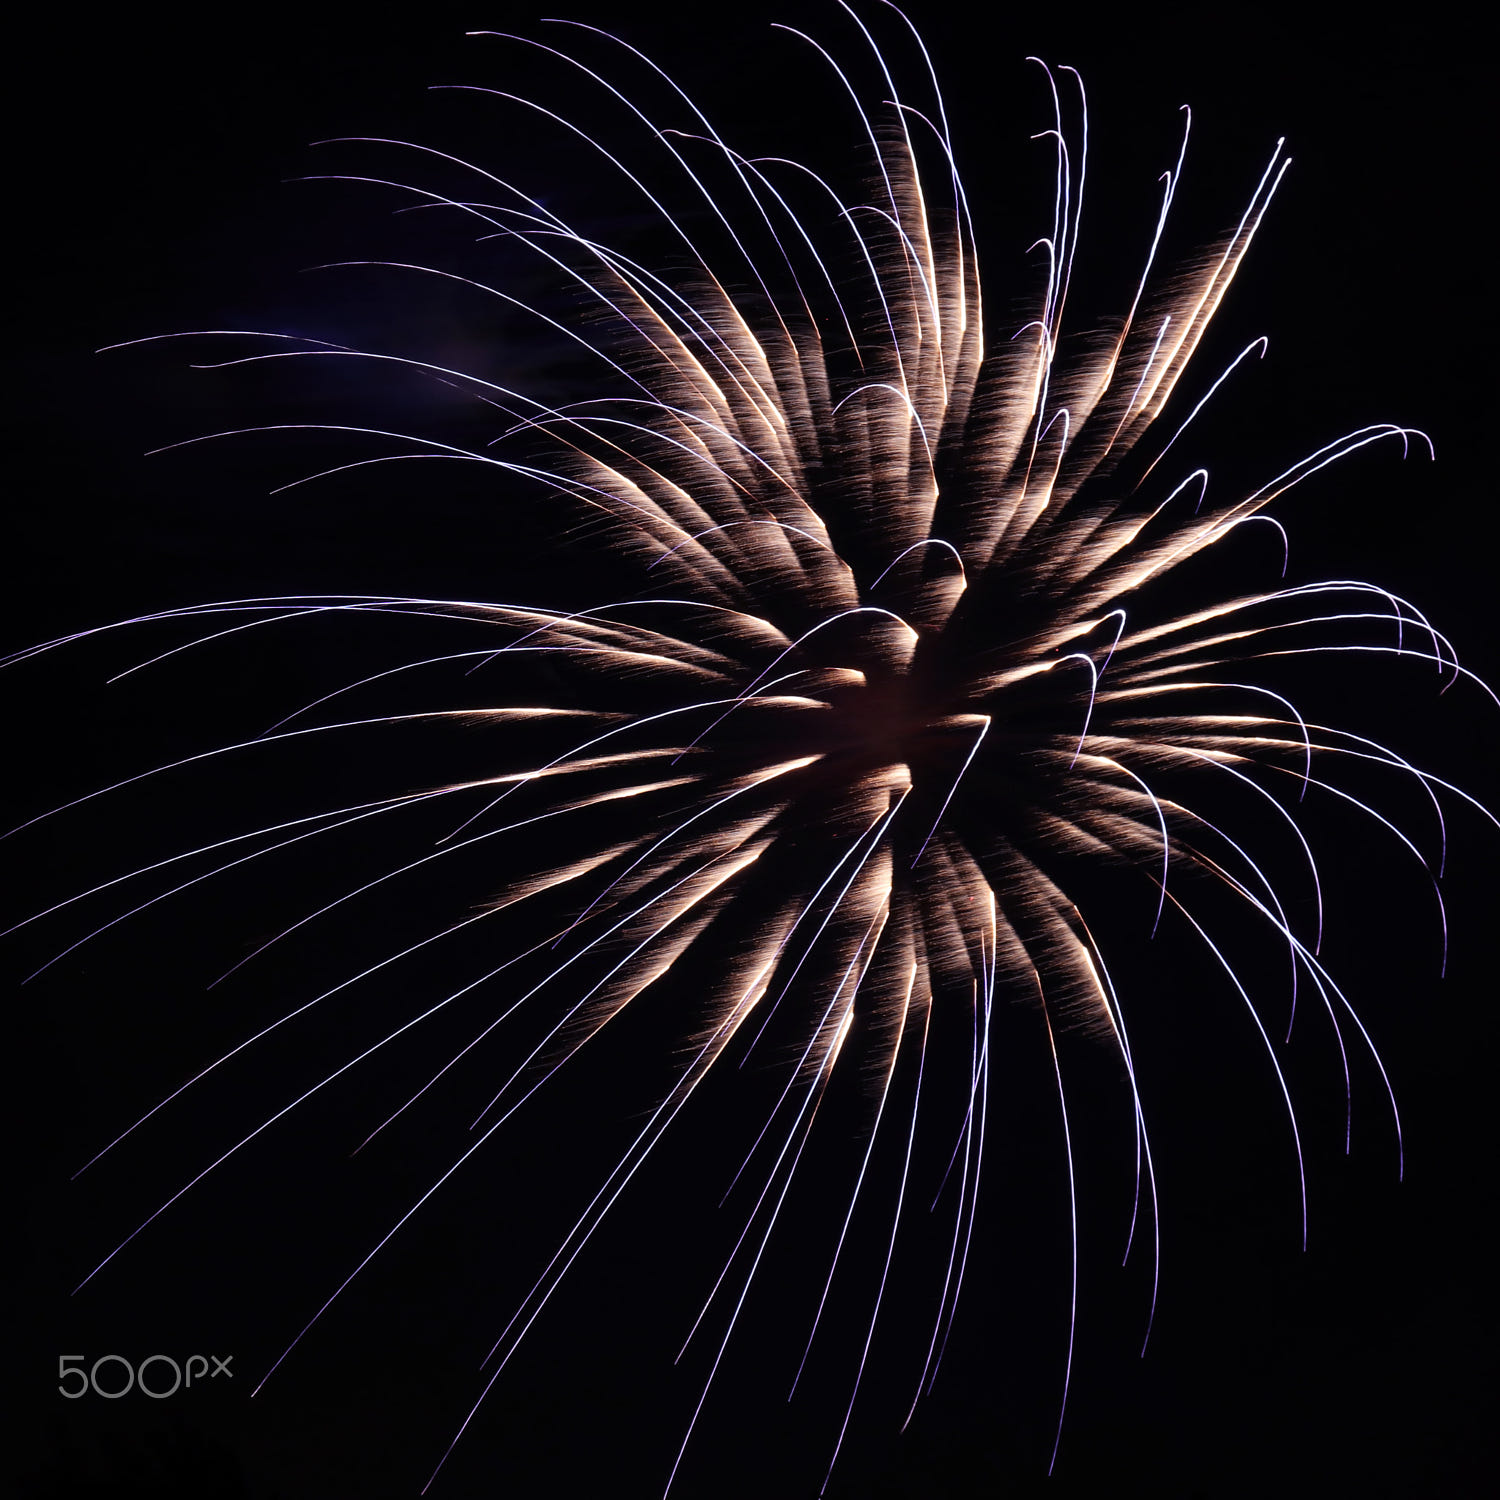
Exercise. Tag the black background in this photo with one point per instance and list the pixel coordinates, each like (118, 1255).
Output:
(148, 181)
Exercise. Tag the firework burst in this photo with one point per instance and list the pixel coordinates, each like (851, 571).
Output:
(894, 674)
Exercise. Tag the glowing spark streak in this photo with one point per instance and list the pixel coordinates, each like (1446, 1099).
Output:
(754, 168)
(1099, 972)
(452, 1169)
(1389, 757)
(265, 1124)
(767, 775)
(873, 835)
(885, 1089)
(1339, 448)
(771, 413)
(928, 541)
(1243, 687)
(260, 740)
(1072, 1225)
(487, 654)
(825, 1070)
(1166, 851)
(897, 344)
(973, 750)
(1416, 853)
(239, 838)
(863, 609)
(599, 739)
(1281, 530)
(375, 809)
(1259, 874)
(1213, 293)
(1264, 344)
(276, 618)
(1458, 671)
(978, 1091)
(768, 409)
(1270, 1053)
(465, 376)
(1328, 586)
(900, 395)
(713, 136)
(696, 1071)
(782, 524)
(1290, 821)
(890, 1248)
(731, 868)
(1170, 179)
(973, 1150)
(669, 1108)
(1279, 921)
(1088, 713)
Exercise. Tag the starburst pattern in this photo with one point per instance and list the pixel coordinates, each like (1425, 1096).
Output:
(897, 662)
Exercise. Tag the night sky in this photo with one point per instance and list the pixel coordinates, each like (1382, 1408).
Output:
(151, 180)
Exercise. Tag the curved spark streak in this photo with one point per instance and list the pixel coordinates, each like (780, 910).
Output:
(1072, 1229)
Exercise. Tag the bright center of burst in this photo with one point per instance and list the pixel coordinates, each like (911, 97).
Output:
(885, 713)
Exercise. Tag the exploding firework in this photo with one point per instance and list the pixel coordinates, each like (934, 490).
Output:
(886, 673)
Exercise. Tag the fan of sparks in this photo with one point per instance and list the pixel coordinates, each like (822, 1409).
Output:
(886, 668)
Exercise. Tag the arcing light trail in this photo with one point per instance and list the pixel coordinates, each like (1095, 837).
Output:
(898, 663)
